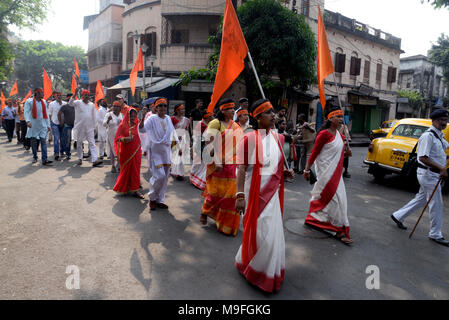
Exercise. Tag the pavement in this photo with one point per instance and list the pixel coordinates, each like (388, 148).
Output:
(52, 218)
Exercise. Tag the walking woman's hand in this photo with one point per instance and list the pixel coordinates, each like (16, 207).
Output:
(240, 205)
(306, 175)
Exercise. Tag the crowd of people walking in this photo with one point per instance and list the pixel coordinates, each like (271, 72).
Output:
(242, 156)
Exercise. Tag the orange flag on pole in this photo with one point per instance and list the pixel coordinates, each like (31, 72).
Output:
(138, 66)
(48, 90)
(27, 97)
(232, 55)
(74, 85)
(2, 101)
(77, 68)
(14, 90)
(325, 65)
(99, 93)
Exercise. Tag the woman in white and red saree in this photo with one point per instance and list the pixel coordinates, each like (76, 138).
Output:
(328, 202)
(260, 180)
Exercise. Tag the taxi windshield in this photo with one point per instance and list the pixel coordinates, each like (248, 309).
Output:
(409, 130)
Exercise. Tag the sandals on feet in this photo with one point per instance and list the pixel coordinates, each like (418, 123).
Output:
(344, 239)
(138, 195)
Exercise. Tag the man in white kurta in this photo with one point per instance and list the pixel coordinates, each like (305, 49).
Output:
(111, 122)
(86, 120)
(101, 130)
(160, 134)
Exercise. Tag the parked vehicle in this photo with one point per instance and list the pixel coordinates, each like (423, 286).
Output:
(388, 155)
(383, 130)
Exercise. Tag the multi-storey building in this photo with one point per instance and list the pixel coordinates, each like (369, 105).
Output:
(420, 74)
(366, 61)
(105, 43)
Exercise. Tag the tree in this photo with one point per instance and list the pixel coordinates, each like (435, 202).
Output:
(56, 58)
(22, 14)
(414, 98)
(437, 4)
(281, 43)
(439, 54)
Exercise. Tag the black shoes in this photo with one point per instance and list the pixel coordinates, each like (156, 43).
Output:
(97, 163)
(346, 175)
(47, 163)
(441, 241)
(398, 223)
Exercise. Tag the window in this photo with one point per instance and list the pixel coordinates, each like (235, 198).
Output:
(366, 71)
(355, 66)
(305, 7)
(179, 36)
(391, 76)
(117, 54)
(130, 48)
(128, 2)
(409, 130)
(150, 40)
(379, 73)
(340, 62)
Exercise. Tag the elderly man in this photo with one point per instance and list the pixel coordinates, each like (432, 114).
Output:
(38, 123)
(160, 133)
(431, 168)
(86, 120)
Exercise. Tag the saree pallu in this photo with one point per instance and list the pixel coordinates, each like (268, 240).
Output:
(328, 202)
(129, 155)
(261, 257)
(221, 187)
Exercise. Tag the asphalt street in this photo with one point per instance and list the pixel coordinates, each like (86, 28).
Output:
(65, 215)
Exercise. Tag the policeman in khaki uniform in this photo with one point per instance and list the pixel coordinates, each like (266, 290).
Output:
(431, 166)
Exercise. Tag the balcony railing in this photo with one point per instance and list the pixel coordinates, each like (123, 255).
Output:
(341, 22)
(194, 7)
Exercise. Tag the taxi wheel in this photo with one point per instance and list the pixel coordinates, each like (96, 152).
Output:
(379, 174)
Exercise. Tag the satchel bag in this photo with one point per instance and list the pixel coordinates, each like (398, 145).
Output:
(409, 168)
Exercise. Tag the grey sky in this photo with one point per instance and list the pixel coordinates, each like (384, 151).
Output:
(416, 24)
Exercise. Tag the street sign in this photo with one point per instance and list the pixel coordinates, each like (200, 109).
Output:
(84, 77)
(143, 94)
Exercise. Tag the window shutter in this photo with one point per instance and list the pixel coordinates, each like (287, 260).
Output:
(367, 70)
(340, 62)
(153, 44)
(355, 66)
(379, 72)
(392, 74)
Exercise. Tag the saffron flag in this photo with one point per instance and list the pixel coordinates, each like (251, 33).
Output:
(74, 85)
(138, 66)
(48, 90)
(2, 101)
(325, 65)
(27, 97)
(14, 90)
(232, 55)
(99, 93)
(77, 69)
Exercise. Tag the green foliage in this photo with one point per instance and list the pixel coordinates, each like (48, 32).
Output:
(56, 58)
(439, 54)
(281, 43)
(437, 4)
(22, 14)
(414, 97)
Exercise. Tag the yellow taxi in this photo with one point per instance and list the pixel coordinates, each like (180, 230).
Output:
(383, 130)
(388, 155)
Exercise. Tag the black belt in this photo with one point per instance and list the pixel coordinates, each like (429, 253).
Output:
(431, 169)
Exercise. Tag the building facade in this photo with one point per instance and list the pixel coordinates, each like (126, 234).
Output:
(417, 73)
(105, 44)
(365, 60)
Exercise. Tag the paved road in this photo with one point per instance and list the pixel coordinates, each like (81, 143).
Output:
(51, 218)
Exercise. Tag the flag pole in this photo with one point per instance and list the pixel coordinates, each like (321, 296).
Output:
(263, 96)
(255, 73)
(339, 103)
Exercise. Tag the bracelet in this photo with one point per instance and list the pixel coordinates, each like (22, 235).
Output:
(306, 171)
(240, 195)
